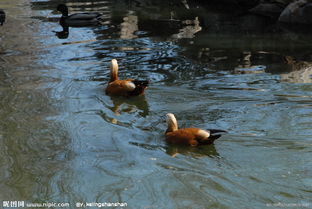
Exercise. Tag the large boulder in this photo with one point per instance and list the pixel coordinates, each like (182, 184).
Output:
(272, 10)
(298, 12)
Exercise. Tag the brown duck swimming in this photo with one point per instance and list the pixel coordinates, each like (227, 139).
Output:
(189, 136)
(128, 87)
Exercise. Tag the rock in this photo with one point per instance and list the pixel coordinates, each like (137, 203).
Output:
(229, 4)
(283, 2)
(271, 10)
(298, 12)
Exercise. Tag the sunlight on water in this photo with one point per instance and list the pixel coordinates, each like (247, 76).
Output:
(63, 140)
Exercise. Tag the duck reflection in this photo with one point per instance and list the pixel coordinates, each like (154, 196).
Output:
(245, 66)
(195, 152)
(173, 151)
(190, 28)
(301, 71)
(129, 105)
(2, 16)
(62, 34)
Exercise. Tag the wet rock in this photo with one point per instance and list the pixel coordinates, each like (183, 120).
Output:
(283, 2)
(297, 65)
(271, 10)
(300, 76)
(234, 6)
(298, 12)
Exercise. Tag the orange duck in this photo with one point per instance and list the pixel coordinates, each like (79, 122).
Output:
(128, 87)
(189, 136)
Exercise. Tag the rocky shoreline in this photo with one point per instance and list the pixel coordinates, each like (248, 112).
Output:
(283, 11)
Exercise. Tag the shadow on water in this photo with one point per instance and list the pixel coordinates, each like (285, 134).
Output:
(63, 140)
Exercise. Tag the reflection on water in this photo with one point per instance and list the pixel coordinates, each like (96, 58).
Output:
(246, 66)
(64, 33)
(195, 152)
(63, 140)
(129, 27)
(137, 105)
(131, 105)
(33, 148)
(189, 30)
(301, 72)
(298, 76)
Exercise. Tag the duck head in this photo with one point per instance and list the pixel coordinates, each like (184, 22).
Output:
(171, 122)
(63, 9)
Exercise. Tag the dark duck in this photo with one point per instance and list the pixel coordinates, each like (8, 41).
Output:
(2, 17)
(78, 19)
(127, 87)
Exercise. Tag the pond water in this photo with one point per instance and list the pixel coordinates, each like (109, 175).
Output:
(63, 140)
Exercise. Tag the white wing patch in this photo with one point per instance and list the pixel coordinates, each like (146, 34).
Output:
(130, 86)
(203, 134)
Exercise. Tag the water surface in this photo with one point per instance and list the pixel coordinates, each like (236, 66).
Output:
(63, 140)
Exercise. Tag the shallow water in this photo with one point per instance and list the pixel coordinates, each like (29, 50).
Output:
(63, 140)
